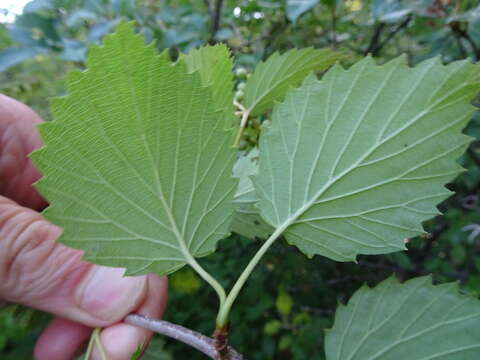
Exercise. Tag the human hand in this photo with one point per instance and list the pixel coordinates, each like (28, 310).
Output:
(38, 272)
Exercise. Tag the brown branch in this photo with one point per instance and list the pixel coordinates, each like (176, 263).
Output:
(192, 338)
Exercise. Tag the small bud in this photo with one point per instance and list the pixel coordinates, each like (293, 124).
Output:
(241, 73)
(239, 95)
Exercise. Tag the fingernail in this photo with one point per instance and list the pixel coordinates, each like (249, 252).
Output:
(107, 295)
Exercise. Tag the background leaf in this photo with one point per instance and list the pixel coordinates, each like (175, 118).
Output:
(215, 65)
(296, 8)
(14, 55)
(416, 318)
(247, 221)
(272, 78)
(137, 163)
(354, 163)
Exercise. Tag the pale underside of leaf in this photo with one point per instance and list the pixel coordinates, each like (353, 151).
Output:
(415, 320)
(354, 163)
(137, 164)
(247, 221)
(274, 77)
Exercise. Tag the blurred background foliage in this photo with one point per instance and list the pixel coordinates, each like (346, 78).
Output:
(289, 300)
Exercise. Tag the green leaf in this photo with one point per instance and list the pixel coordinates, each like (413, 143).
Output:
(15, 55)
(274, 77)
(272, 327)
(156, 350)
(284, 303)
(296, 8)
(414, 318)
(354, 163)
(185, 281)
(137, 164)
(247, 221)
(215, 65)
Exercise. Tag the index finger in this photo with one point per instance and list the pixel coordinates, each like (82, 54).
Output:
(18, 138)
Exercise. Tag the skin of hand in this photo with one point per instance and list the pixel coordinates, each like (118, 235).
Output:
(37, 271)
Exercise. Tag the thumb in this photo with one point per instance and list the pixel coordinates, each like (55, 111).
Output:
(37, 271)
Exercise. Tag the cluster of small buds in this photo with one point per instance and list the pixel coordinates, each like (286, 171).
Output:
(241, 74)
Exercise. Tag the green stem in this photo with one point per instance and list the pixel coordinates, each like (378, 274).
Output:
(88, 353)
(208, 278)
(224, 311)
(243, 124)
(98, 342)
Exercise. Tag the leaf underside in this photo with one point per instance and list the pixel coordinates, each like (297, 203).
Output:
(247, 221)
(274, 77)
(354, 163)
(137, 164)
(415, 320)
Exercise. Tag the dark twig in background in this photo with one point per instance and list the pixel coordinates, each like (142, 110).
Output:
(277, 28)
(375, 45)
(375, 40)
(214, 12)
(460, 34)
(333, 18)
(208, 4)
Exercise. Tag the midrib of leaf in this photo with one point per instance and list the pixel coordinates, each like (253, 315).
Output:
(324, 137)
(292, 219)
(365, 112)
(161, 195)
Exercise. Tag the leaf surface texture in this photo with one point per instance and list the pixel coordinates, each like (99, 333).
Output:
(247, 221)
(137, 164)
(415, 320)
(214, 64)
(353, 164)
(274, 77)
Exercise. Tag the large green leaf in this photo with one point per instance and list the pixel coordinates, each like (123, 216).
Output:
(274, 77)
(137, 164)
(353, 164)
(247, 220)
(414, 320)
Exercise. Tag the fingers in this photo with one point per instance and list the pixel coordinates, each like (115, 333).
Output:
(61, 340)
(37, 271)
(121, 340)
(18, 137)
